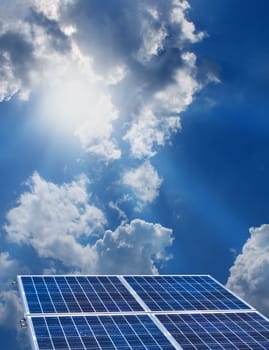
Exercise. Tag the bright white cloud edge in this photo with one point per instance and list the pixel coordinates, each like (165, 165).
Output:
(249, 275)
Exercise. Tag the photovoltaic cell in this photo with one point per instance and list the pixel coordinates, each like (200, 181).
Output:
(176, 293)
(218, 330)
(120, 332)
(76, 294)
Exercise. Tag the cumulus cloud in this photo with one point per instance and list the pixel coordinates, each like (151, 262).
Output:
(58, 222)
(55, 219)
(149, 131)
(144, 181)
(249, 275)
(159, 116)
(186, 27)
(134, 248)
(176, 96)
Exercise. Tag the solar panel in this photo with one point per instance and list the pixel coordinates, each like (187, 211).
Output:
(76, 294)
(120, 332)
(172, 293)
(244, 330)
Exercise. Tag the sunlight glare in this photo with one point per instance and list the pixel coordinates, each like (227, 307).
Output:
(76, 106)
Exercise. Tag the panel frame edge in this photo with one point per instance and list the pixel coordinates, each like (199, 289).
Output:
(23, 296)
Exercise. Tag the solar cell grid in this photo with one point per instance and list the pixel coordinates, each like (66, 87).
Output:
(218, 330)
(124, 332)
(171, 293)
(75, 294)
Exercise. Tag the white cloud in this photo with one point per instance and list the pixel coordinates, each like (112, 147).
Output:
(29, 40)
(50, 8)
(159, 117)
(54, 220)
(178, 17)
(149, 131)
(178, 95)
(8, 266)
(59, 224)
(116, 75)
(135, 248)
(154, 29)
(10, 305)
(116, 207)
(249, 276)
(9, 85)
(10, 308)
(152, 42)
(144, 181)
(96, 130)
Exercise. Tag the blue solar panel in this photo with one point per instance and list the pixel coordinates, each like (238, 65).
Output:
(76, 294)
(244, 330)
(120, 332)
(176, 293)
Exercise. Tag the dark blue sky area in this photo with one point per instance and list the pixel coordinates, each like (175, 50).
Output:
(220, 158)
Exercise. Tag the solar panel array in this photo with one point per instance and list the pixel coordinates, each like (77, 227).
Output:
(138, 312)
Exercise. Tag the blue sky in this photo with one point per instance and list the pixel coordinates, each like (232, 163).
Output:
(134, 139)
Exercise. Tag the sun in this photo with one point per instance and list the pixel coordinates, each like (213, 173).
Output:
(75, 105)
(69, 103)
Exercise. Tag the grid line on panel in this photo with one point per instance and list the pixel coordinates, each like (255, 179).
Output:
(185, 303)
(62, 305)
(78, 342)
(63, 342)
(79, 301)
(251, 325)
(223, 330)
(78, 288)
(178, 293)
(37, 303)
(197, 295)
(111, 302)
(43, 295)
(218, 293)
(62, 288)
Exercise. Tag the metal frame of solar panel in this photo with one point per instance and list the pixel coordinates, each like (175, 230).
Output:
(138, 312)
